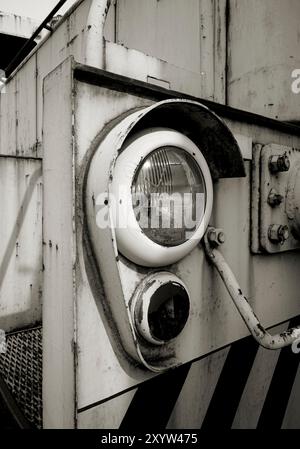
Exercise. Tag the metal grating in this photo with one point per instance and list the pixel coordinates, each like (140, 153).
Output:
(21, 369)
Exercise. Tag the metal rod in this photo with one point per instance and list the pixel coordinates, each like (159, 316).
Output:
(22, 53)
(261, 335)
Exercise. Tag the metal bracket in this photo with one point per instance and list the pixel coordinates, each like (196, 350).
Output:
(274, 219)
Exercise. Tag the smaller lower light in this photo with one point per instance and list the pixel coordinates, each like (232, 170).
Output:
(161, 308)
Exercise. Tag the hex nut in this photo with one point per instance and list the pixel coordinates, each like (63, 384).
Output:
(216, 236)
(274, 198)
(279, 163)
(278, 233)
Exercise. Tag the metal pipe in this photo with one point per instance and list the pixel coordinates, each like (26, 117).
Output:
(261, 335)
(96, 20)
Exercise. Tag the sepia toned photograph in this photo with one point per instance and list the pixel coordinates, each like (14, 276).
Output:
(150, 218)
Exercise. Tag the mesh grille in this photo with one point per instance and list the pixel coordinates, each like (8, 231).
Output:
(21, 369)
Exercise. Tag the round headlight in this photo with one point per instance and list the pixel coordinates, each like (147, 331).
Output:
(161, 197)
(169, 196)
(160, 307)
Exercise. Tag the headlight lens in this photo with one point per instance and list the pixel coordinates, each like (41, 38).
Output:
(169, 196)
(168, 311)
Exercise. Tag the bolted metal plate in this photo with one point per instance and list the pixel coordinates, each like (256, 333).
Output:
(275, 226)
(21, 369)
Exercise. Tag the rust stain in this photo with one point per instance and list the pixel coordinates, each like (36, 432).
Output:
(72, 40)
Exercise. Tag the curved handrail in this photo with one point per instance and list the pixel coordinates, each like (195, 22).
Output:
(261, 335)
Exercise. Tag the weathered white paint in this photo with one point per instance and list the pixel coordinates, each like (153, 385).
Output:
(151, 27)
(102, 370)
(59, 252)
(109, 414)
(8, 141)
(81, 34)
(18, 118)
(168, 30)
(32, 8)
(256, 389)
(186, 414)
(21, 242)
(104, 105)
(205, 373)
(263, 51)
(17, 25)
(197, 391)
(133, 63)
(245, 144)
(261, 335)
(25, 103)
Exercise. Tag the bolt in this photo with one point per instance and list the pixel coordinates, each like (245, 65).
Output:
(216, 236)
(221, 237)
(279, 163)
(274, 198)
(278, 233)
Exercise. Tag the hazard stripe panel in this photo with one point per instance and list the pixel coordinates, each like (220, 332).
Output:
(292, 414)
(231, 384)
(279, 393)
(257, 386)
(197, 392)
(107, 415)
(241, 386)
(154, 401)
